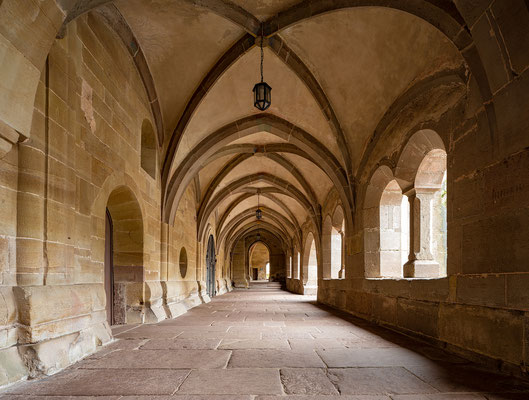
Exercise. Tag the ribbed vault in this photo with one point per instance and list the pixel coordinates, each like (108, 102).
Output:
(339, 70)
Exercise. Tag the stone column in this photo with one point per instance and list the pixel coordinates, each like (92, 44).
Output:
(420, 259)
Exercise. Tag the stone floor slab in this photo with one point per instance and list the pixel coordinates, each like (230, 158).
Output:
(233, 381)
(26, 397)
(372, 357)
(312, 344)
(116, 329)
(118, 345)
(390, 380)
(238, 344)
(202, 335)
(440, 396)
(152, 361)
(274, 359)
(296, 397)
(307, 381)
(188, 397)
(85, 382)
(457, 378)
(152, 333)
(172, 359)
(181, 344)
(287, 335)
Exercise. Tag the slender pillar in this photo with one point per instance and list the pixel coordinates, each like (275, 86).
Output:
(421, 263)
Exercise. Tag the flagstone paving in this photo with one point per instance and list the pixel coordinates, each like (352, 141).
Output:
(266, 344)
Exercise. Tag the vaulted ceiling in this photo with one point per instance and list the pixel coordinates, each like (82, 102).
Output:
(335, 67)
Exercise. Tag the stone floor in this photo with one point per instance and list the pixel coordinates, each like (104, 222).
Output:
(266, 344)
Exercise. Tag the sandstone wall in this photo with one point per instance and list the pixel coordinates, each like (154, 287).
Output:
(83, 156)
(480, 308)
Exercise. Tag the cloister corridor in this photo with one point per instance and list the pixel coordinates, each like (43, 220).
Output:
(264, 199)
(264, 344)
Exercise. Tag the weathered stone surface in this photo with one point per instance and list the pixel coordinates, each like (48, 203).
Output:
(126, 114)
(306, 381)
(189, 397)
(339, 358)
(84, 382)
(174, 359)
(453, 378)
(274, 359)
(417, 316)
(182, 344)
(12, 366)
(228, 381)
(497, 333)
(362, 363)
(392, 380)
(343, 397)
(312, 344)
(238, 344)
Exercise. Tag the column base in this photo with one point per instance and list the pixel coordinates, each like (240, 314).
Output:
(421, 269)
(241, 283)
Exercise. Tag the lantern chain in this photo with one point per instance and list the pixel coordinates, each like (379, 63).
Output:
(262, 52)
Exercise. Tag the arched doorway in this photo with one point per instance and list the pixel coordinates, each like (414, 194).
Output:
(310, 266)
(109, 268)
(124, 269)
(210, 267)
(259, 262)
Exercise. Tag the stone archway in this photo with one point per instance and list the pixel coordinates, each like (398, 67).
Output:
(259, 261)
(310, 266)
(211, 262)
(124, 267)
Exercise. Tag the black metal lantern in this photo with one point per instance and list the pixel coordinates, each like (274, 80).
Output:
(258, 212)
(262, 92)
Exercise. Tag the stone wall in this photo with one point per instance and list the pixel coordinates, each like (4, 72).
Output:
(480, 309)
(71, 116)
(82, 157)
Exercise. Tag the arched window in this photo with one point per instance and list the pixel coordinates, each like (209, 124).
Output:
(148, 149)
(386, 225)
(327, 247)
(428, 255)
(310, 263)
(337, 244)
(394, 230)
(336, 253)
(298, 266)
(408, 228)
(289, 267)
(421, 169)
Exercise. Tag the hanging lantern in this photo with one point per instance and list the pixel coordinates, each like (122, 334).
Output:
(262, 92)
(262, 97)
(258, 212)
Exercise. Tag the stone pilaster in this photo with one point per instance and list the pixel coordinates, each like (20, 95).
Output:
(421, 263)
